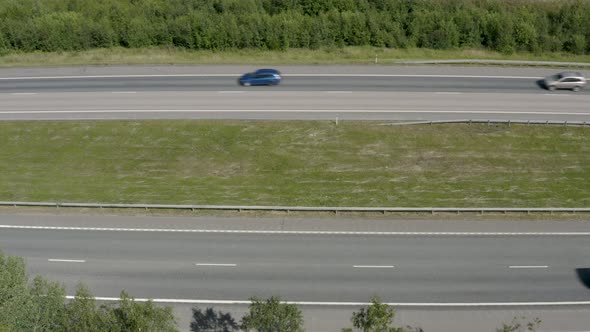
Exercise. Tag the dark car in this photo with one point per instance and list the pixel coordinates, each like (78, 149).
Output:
(261, 77)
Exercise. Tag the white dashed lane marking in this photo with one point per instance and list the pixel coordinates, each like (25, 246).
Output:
(67, 260)
(216, 264)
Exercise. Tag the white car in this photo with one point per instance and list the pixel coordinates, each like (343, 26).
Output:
(569, 80)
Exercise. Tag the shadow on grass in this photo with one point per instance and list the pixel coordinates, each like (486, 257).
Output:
(212, 321)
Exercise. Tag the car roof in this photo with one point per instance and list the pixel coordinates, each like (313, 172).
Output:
(267, 71)
(570, 74)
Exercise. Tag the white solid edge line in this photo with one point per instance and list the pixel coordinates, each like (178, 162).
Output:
(174, 230)
(374, 266)
(23, 93)
(124, 92)
(337, 92)
(528, 266)
(215, 264)
(447, 93)
(285, 75)
(399, 304)
(67, 260)
(292, 110)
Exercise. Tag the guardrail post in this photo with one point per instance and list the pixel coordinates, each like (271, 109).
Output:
(508, 123)
(565, 123)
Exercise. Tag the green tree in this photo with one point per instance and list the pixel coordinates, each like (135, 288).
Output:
(378, 317)
(50, 311)
(83, 314)
(40, 306)
(15, 300)
(272, 316)
(143, 316)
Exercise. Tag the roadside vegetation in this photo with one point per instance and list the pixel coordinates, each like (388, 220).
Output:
(306, 163)
(504, 26)
(40, 305)
(357, 55)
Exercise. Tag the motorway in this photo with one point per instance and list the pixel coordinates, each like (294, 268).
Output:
(424, 267)
(346, 93)
(453, 279)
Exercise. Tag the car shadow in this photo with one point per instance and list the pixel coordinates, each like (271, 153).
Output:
(541, 84)
(213, 321)
(584, 276)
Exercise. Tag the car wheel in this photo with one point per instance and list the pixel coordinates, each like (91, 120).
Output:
(576, 89)
(551, 88)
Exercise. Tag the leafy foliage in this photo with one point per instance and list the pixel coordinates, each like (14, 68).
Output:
(378, 317)
(500, 25)
(272, 316)
(41, 306)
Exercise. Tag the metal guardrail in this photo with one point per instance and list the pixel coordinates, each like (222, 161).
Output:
(508, 122)
(495, 62)
(292, 208)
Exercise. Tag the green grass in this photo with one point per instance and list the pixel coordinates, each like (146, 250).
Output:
(347, 55)
(295, 163)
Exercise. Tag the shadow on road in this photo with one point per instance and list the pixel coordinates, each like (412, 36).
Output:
(584, 276)
(212, 321)
(541, 84)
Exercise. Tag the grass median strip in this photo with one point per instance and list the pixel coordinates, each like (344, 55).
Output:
(324, 56)
(295, 163)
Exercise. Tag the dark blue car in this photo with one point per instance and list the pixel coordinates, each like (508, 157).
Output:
(261, 77)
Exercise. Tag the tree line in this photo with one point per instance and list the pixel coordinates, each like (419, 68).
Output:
(501, 25)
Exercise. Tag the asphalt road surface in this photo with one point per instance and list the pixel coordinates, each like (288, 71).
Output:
(310, 267)
(318, 93)
(218, 259)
